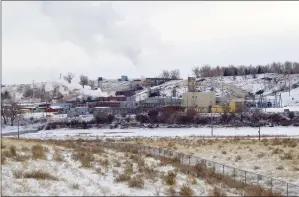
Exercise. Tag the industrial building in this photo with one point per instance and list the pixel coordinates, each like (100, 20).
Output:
(200, 101)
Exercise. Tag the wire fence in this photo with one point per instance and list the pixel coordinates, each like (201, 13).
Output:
(250, 178)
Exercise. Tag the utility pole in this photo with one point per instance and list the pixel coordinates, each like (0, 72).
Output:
(289, 85)
(212, 132)
(18, 126)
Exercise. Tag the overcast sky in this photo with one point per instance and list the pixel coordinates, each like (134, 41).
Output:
(41, 40)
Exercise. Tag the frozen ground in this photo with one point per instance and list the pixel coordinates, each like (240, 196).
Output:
(34, 171)
(164, 132)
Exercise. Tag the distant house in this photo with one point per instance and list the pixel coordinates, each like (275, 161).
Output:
(124, 78)
(54, 109)
(65, 106)
(77, 111)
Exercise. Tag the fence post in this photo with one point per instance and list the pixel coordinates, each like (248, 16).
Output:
(271, 184)
(234, 174)
(222, 170)
(164, 152)
(287, 189)
(245, 177)
(189, 160)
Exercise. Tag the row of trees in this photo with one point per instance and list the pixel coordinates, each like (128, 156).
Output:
(233, 70)
(84, 81)
(170, 74)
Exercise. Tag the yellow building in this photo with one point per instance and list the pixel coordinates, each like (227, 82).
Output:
(220, 109)
(236, 106)
(200, 100)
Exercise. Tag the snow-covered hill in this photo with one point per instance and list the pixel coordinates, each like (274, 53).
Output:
(231, 87)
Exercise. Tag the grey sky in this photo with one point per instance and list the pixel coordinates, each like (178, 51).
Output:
(40, 40)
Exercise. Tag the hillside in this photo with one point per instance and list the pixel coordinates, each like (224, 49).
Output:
(226, 86)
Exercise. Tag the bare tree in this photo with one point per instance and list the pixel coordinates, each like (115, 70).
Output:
(196, 72)
(165, 74)
(92, 84)
(9, 109)
(69, 77)
(83, 80)
(175, 74)
(4, 107)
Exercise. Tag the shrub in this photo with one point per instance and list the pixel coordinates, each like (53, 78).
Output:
(238, 158)
(136, 182)
(185, 190)
(217, 192)
(39, 174)
(170, 178)
(58, 156)
(171, 192)
(280, 167)
(224, 152)
(38, 152)
(13, 150)
(123, 177)
(75, 186)
(287, 156)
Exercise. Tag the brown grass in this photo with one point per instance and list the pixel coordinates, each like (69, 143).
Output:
(238, 158)
(224, 152)
(38, 152)
(171, 192)
(185, 190)
(287, 156)
(86, 158)
(22, 158)
(39, 174)
(75, 186)
(259, 191)
(277, 151)
(170, 178)
(136, 182)
(217, 192)
(280, 167)
(122, 178)
(13, 150)
(58, 155)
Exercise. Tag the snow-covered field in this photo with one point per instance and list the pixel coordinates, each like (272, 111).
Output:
(163, 132)
(75, 171)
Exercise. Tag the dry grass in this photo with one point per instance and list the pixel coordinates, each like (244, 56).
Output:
(287, 156)
(260, 155)
(277, 151)
(256, 167)
(185, 190)
(170, 178)
(259, 191)
(224, 152)
(22, 158)
(136, 182)
(38, 152)
(58, 156)
(86, 158)
(75, 186)
(170, 192)
(39, 174)
(17, 174)
(280, 167)
(123, 178)
(13, 150)
(3, 160)
(238, 158)
(217, 192)
(191, 180)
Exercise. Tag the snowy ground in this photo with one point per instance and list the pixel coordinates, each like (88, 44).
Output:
(276, 158)
(164, 132)
(99, 171)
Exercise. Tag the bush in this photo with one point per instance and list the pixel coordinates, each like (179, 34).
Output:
(186, 191)
(142, 118)
(170, 178)
(38, 152)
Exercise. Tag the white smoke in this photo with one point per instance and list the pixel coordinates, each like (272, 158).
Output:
(95, 27)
